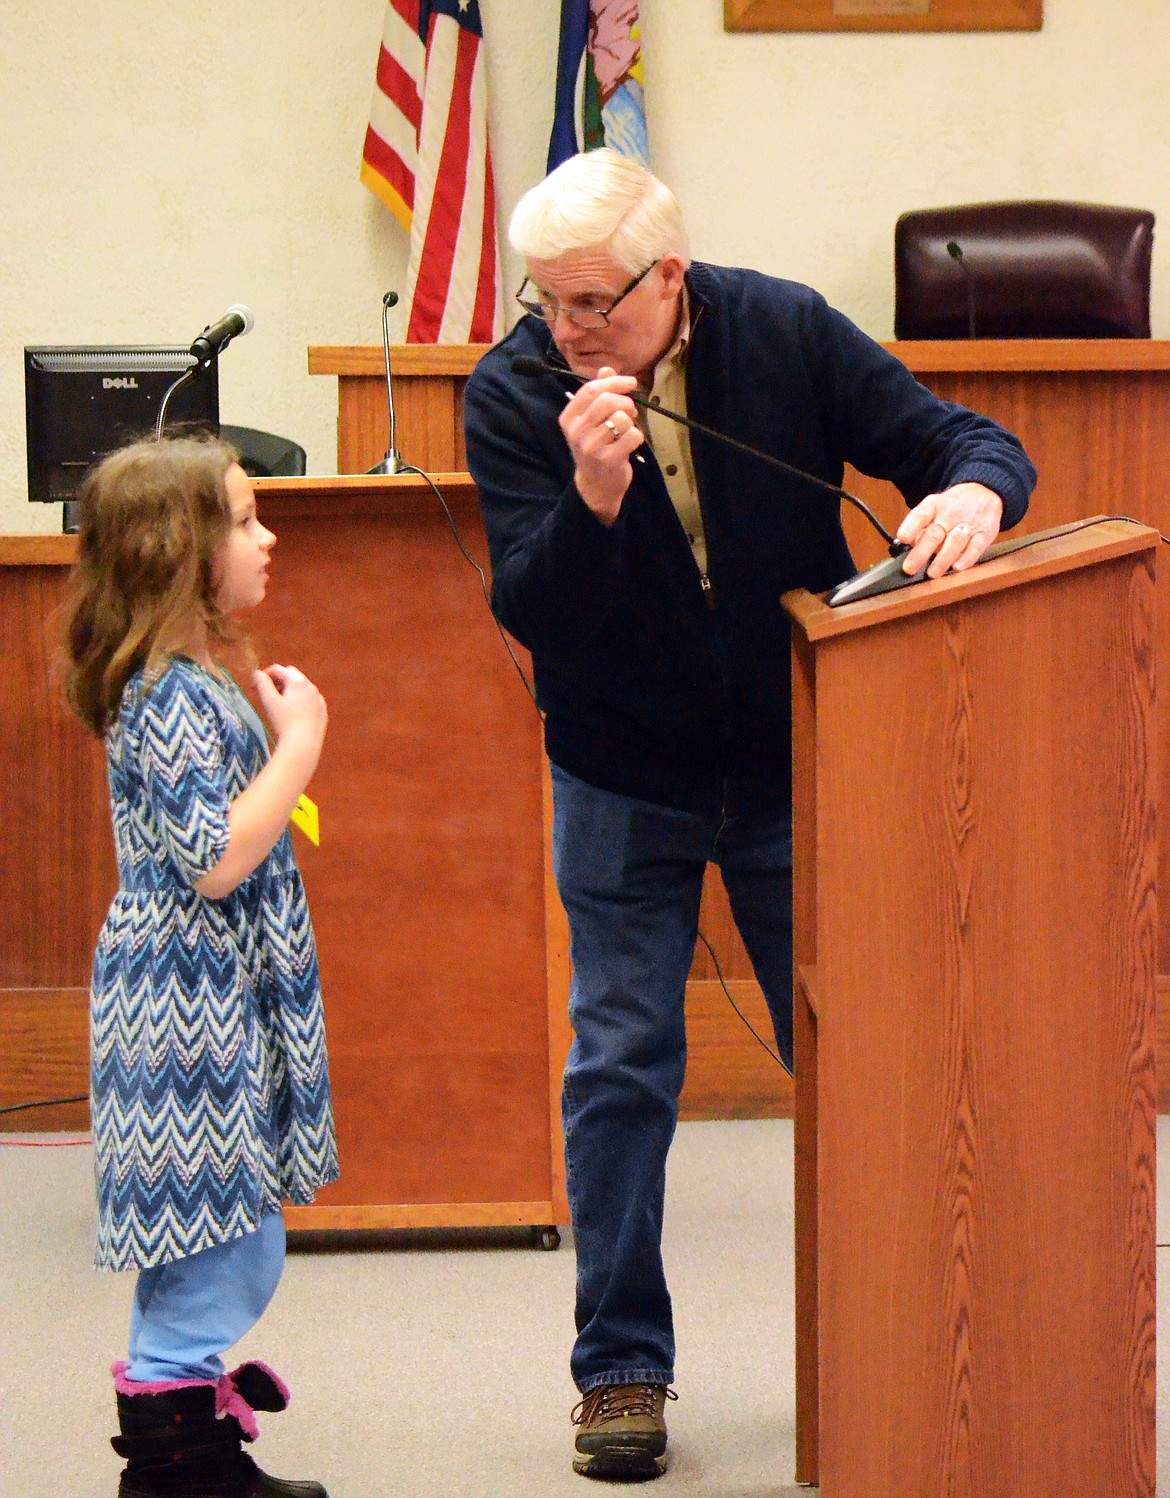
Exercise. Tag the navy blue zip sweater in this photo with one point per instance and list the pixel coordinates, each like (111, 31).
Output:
(648, 688)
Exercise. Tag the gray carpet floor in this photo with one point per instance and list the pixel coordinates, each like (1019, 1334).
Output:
(431, 1364)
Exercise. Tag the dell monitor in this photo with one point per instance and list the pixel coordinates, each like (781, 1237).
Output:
(81, 403)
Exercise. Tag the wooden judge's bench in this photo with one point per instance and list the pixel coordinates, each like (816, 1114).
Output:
(443, 946)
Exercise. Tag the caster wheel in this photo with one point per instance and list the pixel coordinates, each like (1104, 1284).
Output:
(547, 1238)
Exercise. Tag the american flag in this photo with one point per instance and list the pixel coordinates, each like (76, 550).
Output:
(427, 157)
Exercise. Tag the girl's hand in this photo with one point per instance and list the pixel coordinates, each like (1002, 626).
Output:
(259, 814)
(293, 704)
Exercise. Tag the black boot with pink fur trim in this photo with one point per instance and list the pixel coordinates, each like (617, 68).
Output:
(183, 1439)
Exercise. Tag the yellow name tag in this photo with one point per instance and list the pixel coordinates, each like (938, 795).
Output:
(306, 817)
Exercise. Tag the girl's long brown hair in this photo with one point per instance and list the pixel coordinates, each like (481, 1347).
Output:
(154, 517)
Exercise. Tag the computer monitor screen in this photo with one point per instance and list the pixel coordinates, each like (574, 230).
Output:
(81, 403)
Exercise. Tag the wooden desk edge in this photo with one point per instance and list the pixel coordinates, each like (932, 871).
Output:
(378, 490)
(367, 483)
(364, 360)
(1033, 355)
(388, 1216)
(1052, 552)
(38, 551)
(925, 356)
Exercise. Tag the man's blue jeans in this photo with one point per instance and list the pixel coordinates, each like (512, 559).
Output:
(630, 875)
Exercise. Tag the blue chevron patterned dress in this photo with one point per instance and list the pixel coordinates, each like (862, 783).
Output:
(210, 1081)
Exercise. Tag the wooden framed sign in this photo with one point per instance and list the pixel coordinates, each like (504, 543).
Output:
(883, 15)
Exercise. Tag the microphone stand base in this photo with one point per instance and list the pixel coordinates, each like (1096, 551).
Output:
(390, 465)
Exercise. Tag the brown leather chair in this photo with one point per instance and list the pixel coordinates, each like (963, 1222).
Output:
(1023, 270)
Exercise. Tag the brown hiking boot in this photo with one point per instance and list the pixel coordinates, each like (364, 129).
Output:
(622, 1434)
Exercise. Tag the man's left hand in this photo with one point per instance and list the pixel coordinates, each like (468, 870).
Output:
(954, 528)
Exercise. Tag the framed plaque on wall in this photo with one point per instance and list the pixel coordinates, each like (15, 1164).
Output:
(883, 15)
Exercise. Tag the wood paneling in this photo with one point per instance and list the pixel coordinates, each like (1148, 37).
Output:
(44, 1042)
(57, 873)
(1100, 439)
(883, 15)
(983, 1045)
(805, 903)
(1032, 355)
(1163, 1043)
(428, 423)
(57, 868)
(428, 890)
(410, 360)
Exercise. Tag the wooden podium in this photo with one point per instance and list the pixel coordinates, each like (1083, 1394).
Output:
(975, 949)
(444, 958)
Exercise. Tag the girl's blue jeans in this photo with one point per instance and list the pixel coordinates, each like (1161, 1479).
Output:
(630, 875)
(188, 1312)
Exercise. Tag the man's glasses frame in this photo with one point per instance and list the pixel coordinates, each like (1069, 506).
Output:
(582, 317)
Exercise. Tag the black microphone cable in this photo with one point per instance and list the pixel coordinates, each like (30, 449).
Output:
(723, 984)
(470, 560)
(530, 366)
(1021, 543)
(52, 1102)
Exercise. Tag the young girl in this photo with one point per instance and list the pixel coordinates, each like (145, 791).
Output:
(210, 1082)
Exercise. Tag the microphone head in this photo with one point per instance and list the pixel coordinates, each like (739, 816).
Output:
(530, 366)
(390, 299)
(953, 249)
(246, 313)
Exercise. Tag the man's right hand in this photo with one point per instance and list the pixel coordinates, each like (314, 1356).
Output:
(600, 425)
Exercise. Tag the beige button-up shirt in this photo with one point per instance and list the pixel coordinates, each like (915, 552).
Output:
(672, 443)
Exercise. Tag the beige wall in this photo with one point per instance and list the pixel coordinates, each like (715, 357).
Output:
(160, 162)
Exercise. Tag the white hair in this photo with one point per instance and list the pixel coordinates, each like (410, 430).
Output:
(600, 199)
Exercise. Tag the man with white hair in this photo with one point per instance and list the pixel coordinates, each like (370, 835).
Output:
(643, 567)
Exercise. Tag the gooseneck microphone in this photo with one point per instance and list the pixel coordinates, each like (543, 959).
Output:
(531, 367)
(392, 462)
(955, 251)
(235, 322)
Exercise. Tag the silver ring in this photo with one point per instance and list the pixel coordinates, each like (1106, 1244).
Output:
(961, 530)
(608, 422)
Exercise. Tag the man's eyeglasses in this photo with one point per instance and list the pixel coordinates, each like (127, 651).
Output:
(581, 317)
